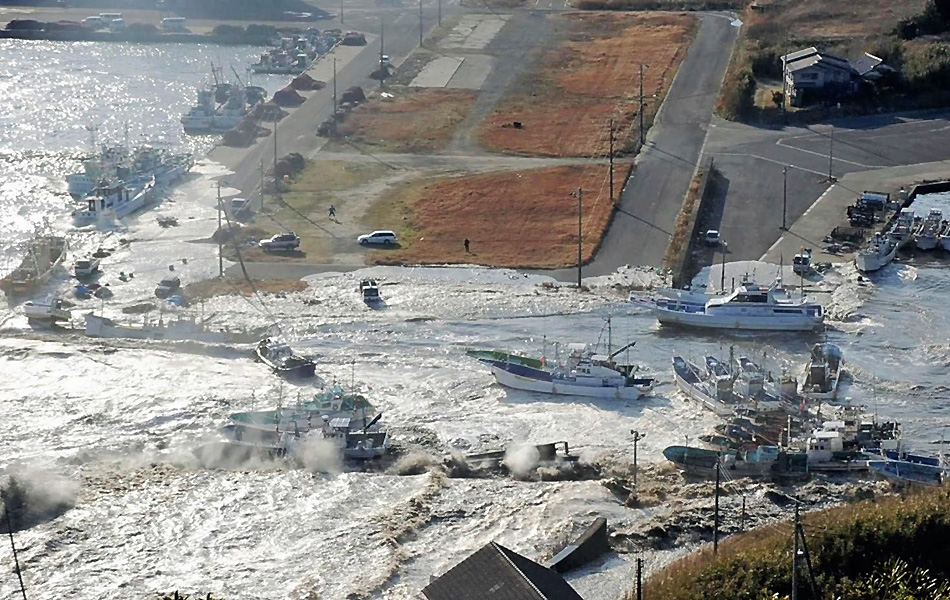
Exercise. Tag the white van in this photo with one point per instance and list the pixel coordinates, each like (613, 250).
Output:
(94, 22)
(173, 24)
(106, 17)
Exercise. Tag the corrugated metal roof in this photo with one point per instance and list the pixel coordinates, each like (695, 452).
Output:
(497, 573)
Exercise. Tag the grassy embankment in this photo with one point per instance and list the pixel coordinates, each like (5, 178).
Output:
(893, 31)
(888, 549)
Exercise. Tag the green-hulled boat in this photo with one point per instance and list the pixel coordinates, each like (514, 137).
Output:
(492, 356)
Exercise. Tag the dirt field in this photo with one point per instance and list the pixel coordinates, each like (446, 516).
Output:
(513, 219)
(418, 120)
(589, 78)
(304, 209)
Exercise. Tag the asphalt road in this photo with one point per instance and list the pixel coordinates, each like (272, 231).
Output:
(653, 196)
(297, 132)
(751, 160)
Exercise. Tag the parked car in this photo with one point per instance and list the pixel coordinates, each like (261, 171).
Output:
(712, 237)
(287, 242)
(237, 205)
(385, 238)
(167, 287)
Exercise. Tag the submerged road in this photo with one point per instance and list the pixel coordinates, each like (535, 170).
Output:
(653, 196)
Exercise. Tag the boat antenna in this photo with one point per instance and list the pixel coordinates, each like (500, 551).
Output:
(16, 561)
(609, 334)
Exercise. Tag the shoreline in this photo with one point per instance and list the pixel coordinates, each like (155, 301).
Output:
(134, 37)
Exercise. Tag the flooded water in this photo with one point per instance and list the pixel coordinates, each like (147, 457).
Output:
(106, 430)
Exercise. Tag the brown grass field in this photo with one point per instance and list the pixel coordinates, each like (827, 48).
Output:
(589, 78)
(417, 120)
(513, 219)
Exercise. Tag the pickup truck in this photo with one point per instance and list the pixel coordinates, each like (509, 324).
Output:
(286, 242)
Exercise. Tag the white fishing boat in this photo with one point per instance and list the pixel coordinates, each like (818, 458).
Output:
(46, 313)
(882, 248)
(822, 373)
(208, 116)
(944, 237)
(927, 235)
(879, 252)
(180, 328)
(97, 170)
(581, 373)
(748, 307)
(115, 202)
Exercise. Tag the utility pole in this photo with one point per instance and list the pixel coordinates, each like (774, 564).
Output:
(420, 22)
(742, 518)
(641, 103)
(334, 92)
(382, 40)
(580, 234)
(611, 160)
(440, 12)
(637, 436)
(16, 561)
(831, 153)
(722, 276)
(784, 195)
(220, 234)
(716, 512)
(276, 182)
(795, 558)
(262, 185)
(639, 579)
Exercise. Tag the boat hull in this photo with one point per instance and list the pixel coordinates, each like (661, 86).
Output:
(697, 393)
(508, 376)
(706, 321)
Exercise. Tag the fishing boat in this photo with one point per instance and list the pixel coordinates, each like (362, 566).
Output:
(43, 254)
(750, 307)
(46, 313)
(283, 361)
(116, 202)
(820, 380)
(756, 462)
(370, 291)
(180, 328)
(908, 472)
(944, 237)
(883, 247)
(927, 235)
(879, 252)
(115, 165)
(334, 402)
(713, 393)
(219, 108)
(97, 170)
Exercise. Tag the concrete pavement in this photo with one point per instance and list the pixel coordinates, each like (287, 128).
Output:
(653, 196)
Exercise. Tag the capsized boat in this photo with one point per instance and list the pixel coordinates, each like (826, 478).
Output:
(43, 254)
(180, 328)
(748, 307)
(822, 373)
(283, 361)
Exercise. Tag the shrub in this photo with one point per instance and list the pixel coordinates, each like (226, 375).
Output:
(228, 30)
(262, 31)
(738, 94)
(140, 28)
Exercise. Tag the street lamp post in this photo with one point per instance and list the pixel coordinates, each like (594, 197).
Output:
(784, 195)
(637, 436)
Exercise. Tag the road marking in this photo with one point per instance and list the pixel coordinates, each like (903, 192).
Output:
(850, 162)
(772, 160)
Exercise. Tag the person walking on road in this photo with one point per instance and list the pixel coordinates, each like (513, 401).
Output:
(466, 243)
(332, 211)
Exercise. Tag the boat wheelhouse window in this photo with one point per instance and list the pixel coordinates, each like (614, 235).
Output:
(751, 298)
(789, 311)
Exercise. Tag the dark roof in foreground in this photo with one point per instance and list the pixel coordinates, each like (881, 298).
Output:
(497, 573)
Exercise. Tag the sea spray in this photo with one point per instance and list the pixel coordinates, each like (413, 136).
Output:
(320, 456)
(522, 459)
(36, 496)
